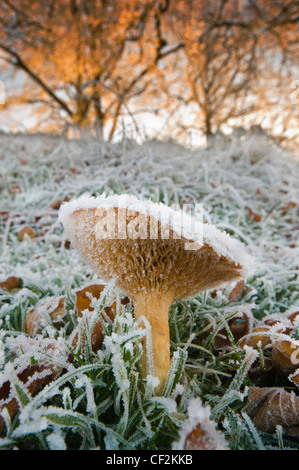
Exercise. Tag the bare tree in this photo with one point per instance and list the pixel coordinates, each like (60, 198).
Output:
(87, 59)
(91, 63)
(228, 74)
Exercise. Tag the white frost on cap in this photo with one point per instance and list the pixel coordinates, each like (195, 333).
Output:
(198, 415)
(178, 221)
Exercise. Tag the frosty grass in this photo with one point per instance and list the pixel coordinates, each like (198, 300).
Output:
(248, 188)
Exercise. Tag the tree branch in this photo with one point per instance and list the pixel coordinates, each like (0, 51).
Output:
(18, 62)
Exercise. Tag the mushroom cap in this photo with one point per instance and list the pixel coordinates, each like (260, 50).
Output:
(148, 246)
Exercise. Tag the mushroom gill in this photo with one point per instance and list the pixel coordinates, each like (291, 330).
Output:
(154, 257)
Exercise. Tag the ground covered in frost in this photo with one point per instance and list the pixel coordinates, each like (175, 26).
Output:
(248, 188)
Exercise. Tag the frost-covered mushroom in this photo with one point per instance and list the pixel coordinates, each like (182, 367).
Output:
(156, 255)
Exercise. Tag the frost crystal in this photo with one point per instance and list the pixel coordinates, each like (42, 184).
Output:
(85, 382)
(56, 442)
(39, 348)
(199, 431)
(168, 403)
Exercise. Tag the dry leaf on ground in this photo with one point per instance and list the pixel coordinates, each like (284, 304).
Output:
(26, 231)
(32, 383)
(11, 283)
(240, 325)
(236, 292)
(271, 407)
(49, 309)
(199, 431)
(83, 302)
(284, 355)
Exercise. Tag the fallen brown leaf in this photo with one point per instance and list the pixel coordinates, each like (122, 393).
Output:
(11, 404)
(253, 215)
(26, 231)
(287, 206)
(269, 407)
(15, 189)
(263, 370)
(56, 204)
(36, 320)
(239, 327)
(11, 283)
(258, 338)
(83, 302)
(237, 291)
(4, 215)
(292, 316)
(295, 377)
(201, 439)
(199, 431)
(283, 352)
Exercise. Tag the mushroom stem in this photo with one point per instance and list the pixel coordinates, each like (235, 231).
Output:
(154, 307)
